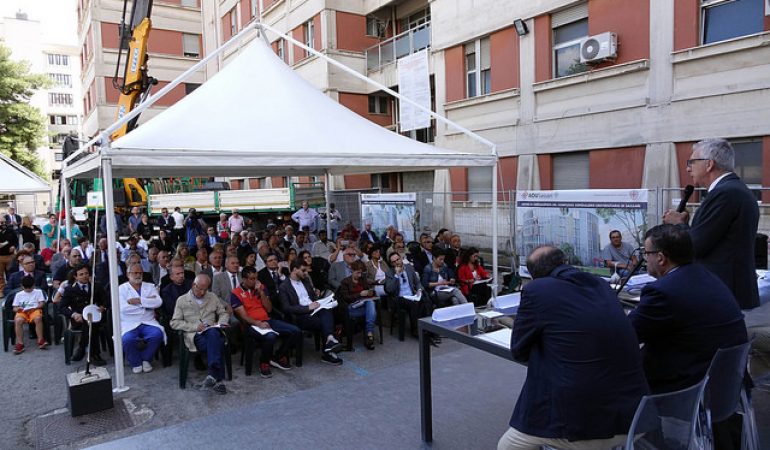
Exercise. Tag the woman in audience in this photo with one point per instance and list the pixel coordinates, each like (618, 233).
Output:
(163, 242)
(291, 255)
(355, 294)
(30, 233)
(248, 258)
(471, 271)
(439, 279)
(183, 253)
(376, 270)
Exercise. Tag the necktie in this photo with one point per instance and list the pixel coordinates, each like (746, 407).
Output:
(235, 281)
(276, 278)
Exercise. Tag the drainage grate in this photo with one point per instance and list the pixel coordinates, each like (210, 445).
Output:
(60, 428)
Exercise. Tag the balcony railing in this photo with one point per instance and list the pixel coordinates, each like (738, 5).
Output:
(406, 43)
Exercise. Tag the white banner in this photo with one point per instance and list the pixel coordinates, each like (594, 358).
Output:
(414, 84)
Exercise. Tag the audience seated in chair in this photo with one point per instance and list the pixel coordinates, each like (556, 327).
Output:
(198, 314)
(439, 279)
(355, 295)
(299, 300)
(252, 306)
(28, 305)
(76, 297)
(141, 333)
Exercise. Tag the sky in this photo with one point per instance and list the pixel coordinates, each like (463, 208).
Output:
(58, 17)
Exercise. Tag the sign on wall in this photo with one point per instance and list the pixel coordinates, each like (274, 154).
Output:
(579, 222)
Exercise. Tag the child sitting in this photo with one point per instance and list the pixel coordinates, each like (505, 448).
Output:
(28, 306)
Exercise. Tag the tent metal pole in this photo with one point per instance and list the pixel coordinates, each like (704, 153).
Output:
(66, 209)
(327, 196)
(382, 87)
(112, 261)
(495, 280)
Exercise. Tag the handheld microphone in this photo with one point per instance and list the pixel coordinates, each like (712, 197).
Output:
(688, 190)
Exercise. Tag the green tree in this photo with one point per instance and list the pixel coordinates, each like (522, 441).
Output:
(22, 127)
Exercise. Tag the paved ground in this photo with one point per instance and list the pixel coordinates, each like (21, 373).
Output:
(369, 402)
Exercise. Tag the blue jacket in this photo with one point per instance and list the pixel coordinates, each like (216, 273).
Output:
(584, 376)
(683, 318)
(723, 232)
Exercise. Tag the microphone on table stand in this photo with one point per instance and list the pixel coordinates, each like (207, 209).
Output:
(636, 268)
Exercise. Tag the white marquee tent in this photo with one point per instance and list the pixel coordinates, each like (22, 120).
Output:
(256, 117)
(17, 179)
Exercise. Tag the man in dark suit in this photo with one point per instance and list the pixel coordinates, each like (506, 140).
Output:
(367, 235)
(177, 287)
(724, 228)
(272, 276)
(74, 299)
(299, 300)
(423, 257)
(13, 219)
(683, 318)
(27, 270)
(402, 282)
(584, 376)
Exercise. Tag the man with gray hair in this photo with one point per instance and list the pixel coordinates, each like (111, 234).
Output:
(724, 228)
(570, 322)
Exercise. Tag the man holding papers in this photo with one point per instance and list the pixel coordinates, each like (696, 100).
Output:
(300, 300)
(584, 375)
(252, 306)
(403, 284)
(199, 313)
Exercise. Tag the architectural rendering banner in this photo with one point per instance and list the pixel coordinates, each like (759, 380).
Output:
(414, 84)
(579, 223)
(398, 210)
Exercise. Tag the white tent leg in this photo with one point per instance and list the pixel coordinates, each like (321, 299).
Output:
(495, 281)
(112, 258)
(66, 209)
(327, 196)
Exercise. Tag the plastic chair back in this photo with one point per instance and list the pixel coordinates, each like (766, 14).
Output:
(726, 374)
(668, 421)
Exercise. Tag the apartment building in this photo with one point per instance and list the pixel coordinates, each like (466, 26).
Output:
(174, 45)
(620, 110)
(55, 55)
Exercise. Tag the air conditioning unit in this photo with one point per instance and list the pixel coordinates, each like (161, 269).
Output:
(599, 48)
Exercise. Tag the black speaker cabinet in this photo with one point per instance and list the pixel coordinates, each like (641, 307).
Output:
(89, 393)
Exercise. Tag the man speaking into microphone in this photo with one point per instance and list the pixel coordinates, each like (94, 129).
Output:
(724, 228)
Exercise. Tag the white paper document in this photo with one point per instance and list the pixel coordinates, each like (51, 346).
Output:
(413, 298)
(444, 288)
(490, 314)
(326, 303)
(500, 337)
(638, 280)
(360, 302)
(263, 331)
(484, 281)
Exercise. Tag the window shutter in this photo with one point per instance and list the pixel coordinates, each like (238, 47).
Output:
(569, 15)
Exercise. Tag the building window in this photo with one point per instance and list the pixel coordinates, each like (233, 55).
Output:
(727, 19)
(234, 22)
(570, 27)
(281, 52)
(415, 20)
(72, 120)
(56, 99)
(478, 68)
(748, 163)
(58, 60)
(571, 170)
(190, 87)
(424, 135)
(58, 139)
(254, 8)
(58, 156)
(378, 104)
(375, 27)
(190, 3)
(309, 33)
(191, 45)
(61, 79)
